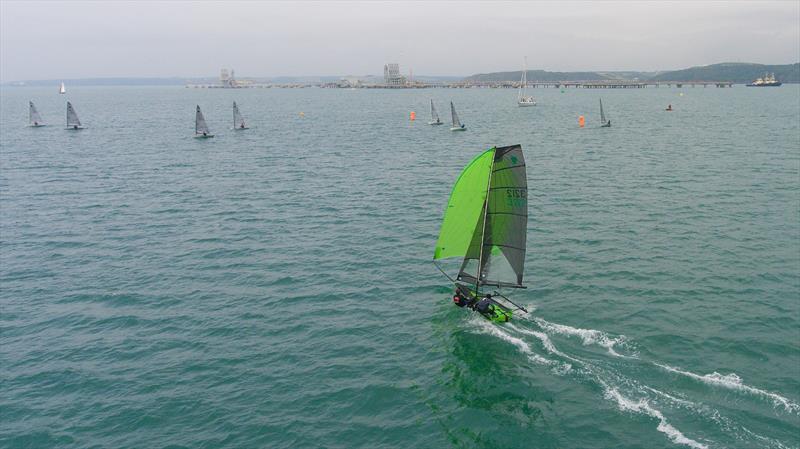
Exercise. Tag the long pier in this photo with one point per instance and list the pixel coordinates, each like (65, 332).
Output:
(589, 84)
(594, 84)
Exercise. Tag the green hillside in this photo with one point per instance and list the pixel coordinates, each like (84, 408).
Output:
(736, 72)
(730, 71)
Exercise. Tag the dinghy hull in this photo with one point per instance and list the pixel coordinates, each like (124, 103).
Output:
(487, 307)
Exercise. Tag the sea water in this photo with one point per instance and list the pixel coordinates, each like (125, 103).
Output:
(273, 287)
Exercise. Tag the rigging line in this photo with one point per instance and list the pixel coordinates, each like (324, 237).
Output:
(443, 272)
(512, 302)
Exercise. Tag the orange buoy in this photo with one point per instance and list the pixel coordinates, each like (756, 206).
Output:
(581, 121)
(412, 116)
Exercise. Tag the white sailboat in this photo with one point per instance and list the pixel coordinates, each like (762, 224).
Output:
(523, 99)
(73, 122)
(434, 116)
(34, 119)
(604, 122)
(62, 90)
(200, 128)
(457, 125)
(238, 120)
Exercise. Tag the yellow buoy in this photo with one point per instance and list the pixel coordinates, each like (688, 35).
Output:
(581, 121)
(302, 114)
(681, 94)
(412, 116)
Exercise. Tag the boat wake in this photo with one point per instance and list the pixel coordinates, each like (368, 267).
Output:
(734, 382)
(588, 336)
(626, 393)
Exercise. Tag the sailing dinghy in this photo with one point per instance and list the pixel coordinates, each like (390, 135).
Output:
(62, 90)
(524, 99)
(457, 125)
(604, 122)
(238, 120)
(200, 127)
(434, 116)
(73, 122)
(34, 119)
(485, 226)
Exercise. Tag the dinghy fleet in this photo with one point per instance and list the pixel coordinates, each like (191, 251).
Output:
(522, 100)
(485, 221)
(74, 123)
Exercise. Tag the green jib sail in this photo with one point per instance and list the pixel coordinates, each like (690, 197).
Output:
(486, 219)
(464, 208)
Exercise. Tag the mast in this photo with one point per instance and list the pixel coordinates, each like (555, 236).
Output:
(483, 229)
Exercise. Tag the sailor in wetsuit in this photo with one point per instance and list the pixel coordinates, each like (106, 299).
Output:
(482, 306)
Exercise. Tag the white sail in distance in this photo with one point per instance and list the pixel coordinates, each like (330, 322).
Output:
(434, 114)
(454, 116)
(34, 118)
(72, 117)
(200, 126)
(238, 120)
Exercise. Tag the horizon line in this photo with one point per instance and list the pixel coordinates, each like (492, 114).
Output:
(178, 77)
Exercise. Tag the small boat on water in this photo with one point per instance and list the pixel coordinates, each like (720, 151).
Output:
(457, 125)
(604, 121)
(200, 128)
(485, 225)
(767, 81)
(523, 99)
(238, 120)
(62, 90)
(34, 119)
(434, 116)
(73, 122)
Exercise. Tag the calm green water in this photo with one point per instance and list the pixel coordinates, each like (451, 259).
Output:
(274, 287)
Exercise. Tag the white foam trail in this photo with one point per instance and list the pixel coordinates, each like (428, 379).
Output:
(524, 347)
(548, 345)
(672, 398)
(588, 336)
(546, 342)
(734, 382)
(643, 407)
(773, 443)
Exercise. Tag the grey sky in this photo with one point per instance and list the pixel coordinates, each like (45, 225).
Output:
(51, 40)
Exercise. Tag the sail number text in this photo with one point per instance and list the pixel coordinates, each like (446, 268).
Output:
(516, 197)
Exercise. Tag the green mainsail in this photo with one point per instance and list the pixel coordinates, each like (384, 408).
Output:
(486, 219)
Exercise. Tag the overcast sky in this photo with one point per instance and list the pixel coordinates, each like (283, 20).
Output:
(61, 40)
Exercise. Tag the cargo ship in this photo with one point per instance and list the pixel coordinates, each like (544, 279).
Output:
(767, 81)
